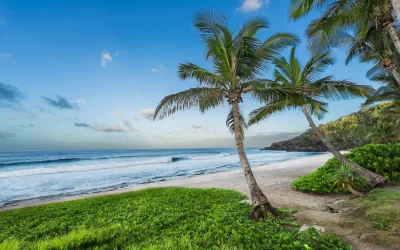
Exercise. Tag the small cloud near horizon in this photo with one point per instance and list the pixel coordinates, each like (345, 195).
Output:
(252, 5)
(82, 125)
(148, 113)
(5, 135)
(60, 103)
(108, 128)
(126, 123)
(106, 58)
(30, 116)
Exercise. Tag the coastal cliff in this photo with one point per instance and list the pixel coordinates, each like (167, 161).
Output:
(347, 132)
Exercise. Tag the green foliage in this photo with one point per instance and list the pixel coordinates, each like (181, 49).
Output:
(345, 175)
(163, 218)
(383, 159)
(348, 131)
(381, 208)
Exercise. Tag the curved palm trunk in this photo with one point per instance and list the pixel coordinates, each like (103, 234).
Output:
(396, 74)
(372, 178)
(258, 199)
(353, 191)
(396, 7)
(393, 34)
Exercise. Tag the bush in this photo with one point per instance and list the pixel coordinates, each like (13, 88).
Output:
(163, 218)
(383, 159)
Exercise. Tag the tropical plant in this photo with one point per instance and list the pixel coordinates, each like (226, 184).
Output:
(345, 176)
(373, 46)
(291, 73)
(344, 15)
(237, 59)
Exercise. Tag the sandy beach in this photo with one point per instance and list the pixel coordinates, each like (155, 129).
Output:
(274, 179)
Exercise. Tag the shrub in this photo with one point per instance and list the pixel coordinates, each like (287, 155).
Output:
(163, 218)
(383, 159)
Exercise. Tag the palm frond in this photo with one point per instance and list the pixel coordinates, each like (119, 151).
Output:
(315, 107)
(203, 76)
(203, 98)
(342, 89)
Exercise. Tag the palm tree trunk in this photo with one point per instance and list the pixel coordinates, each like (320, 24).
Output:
(393, 34)
(372, 178)
(258, 199)
(396, 7)
(396, 74)
(353, 191)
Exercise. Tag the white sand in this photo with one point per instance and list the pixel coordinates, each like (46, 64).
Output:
(274, 179)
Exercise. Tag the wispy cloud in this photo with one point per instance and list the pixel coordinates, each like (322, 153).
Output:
(126, 123)
(106, 58)
(79, 101)
(27, 126)
(108, 128)
(9, 96)
(21, 116)
(82, 125)
(60, 102)
(6, 135)
(5, 56)
(252, 5)
(148, 113)
(161, 69)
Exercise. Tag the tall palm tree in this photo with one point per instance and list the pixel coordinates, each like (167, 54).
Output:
(344, 15)
(373, 46)
(291, 73)
(237, 58)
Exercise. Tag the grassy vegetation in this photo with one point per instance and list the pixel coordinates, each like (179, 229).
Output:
(383, 159)
(382, 209)
(164, 218)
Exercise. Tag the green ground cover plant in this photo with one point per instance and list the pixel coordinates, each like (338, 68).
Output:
(162, 218)
(383, 159)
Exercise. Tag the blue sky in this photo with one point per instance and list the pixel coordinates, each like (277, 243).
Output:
(87, 74)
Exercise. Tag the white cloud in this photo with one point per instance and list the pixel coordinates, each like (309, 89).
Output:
(148, 113)
(252, 5)
(79, 101)
(5, 56)
(107, 128)
(161, 69)
(126, 123)
(105, 58)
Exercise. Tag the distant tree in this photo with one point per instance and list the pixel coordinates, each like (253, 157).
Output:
(237, 59)
(291, 73)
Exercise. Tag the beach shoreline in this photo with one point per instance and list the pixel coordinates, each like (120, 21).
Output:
(274, 179)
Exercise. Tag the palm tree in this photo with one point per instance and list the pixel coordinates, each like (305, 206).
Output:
(237, 58)
(290, 73)
(344, 15)
(375, 46)
(346, 177)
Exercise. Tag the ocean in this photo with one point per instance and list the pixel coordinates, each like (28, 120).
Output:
(31, 175)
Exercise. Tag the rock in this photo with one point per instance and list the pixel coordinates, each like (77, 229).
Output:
(367, 237)
(335, 207)
(318, 228)
(245, 201)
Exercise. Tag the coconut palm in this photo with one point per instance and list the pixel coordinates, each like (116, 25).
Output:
(237, 58)
(374, 46)
(291, 73)
(345, 176)
(344, 15)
